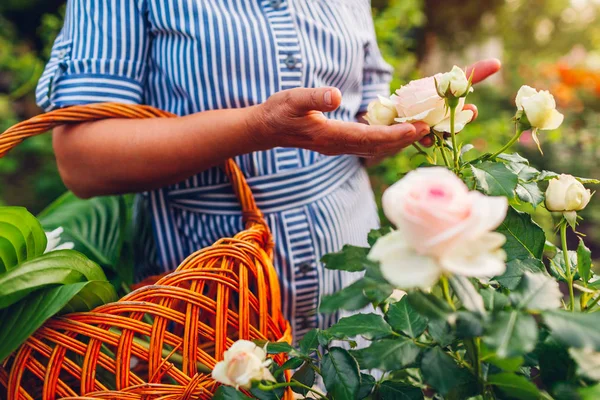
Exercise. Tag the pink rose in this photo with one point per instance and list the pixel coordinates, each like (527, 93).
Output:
(419, 101)
(442, 227)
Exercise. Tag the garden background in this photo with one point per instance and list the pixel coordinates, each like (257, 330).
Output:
(549, 44)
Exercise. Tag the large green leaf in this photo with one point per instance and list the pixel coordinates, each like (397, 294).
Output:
(55, 268)
(515, 386)
(524, 238)
(369, 326)
(442, 373)
(350, 258)
(387, 354)
(95, 226)
(495, 179)
(537, 292)
(390, 390)
(404, 318)
(584, 262)
(356, 296)
(530, 192)
(429, 305)
(340, 374)
(515, 269)
(581, 330)
(21, 237)
(23, 318)
(511, 334)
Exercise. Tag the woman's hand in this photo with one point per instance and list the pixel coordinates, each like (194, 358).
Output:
(294, 118)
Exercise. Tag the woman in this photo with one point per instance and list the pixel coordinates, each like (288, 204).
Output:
(277, 84)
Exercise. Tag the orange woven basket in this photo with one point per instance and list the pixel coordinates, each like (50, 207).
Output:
(177, 328)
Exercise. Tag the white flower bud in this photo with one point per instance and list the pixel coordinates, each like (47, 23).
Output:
(566, 193)
(540, 108)
(453, 83)
(243, 364)
(381, 112)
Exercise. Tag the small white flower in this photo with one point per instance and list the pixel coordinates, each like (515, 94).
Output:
(566, 193)
(381, 112)
(588, 362)
(54, 241)
(454, 83)
(539, 107)
(243, 364)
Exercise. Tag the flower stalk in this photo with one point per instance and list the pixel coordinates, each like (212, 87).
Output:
(569, 272)
(519, 131)
(293, 383)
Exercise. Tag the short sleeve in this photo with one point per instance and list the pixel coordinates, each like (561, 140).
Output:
(377, 73)
(99, 56)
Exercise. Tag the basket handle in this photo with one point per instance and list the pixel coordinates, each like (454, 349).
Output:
(95, 112)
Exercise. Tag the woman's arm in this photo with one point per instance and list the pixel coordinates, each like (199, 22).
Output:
(124, 156)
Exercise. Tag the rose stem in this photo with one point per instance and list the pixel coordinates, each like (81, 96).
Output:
(446, 291)
(512, 141)
(563, 238)
(453, 134)
(440, 145)
(267, 388)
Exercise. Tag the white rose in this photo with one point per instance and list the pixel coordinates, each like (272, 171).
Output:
(420, 101)
(566, 193)
(442, 228)
(539, 107)
(53, 241)
(243, 364)
(454, 82)
(381, 112)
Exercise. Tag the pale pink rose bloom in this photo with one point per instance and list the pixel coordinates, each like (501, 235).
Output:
(419, 101)
(243, 364)
(442, 227)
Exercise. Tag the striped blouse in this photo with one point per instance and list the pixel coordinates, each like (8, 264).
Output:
(188, 56)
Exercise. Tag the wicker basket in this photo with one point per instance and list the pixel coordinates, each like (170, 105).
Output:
(127, 350)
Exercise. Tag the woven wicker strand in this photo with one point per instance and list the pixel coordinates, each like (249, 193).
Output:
(162, 340)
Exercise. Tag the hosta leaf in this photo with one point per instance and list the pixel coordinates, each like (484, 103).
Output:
(580, 330)
(515, 386)
(390, 390)
(530, 193)
(404, 318)
(369, 326)
(96, 226)
(495, 179)
(537, 292)
(468, 295)
(20, 320)
(21, 237)
(511, 334)
(340, 374)
(55, 268)
(524, 238)
(387, 354)
(515, 269)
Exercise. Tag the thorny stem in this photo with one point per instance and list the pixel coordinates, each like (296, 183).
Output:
(563, 238)
(512, 141)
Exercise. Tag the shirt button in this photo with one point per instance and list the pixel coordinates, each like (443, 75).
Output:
(291, 61)
(61, 54)
(276, 4)
(305, 269)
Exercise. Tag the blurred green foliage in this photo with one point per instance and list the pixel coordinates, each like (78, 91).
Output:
(531, 37)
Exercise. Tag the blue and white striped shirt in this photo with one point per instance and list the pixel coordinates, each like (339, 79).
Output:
(188, 56)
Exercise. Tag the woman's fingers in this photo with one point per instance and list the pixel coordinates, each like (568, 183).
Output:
(473, 108)
(483, 69)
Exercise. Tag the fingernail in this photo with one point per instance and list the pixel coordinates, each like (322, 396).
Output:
(328, 98)
(425, 131)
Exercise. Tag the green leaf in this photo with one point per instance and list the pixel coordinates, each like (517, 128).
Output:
(590, 392)
(20, 320)
(21, 237)
(229, 393)
(275, 347)
(441, 332)
(468, 295)
(495, 179)
(537, 292)
(306, 376)
(404, 318)
(441, 372)
(376, 234)
(515, 269)
(580, 330)
(369, 326)
(367, 382)
(584, 262)
(387, 354)
(356, 296)
(351, 259)
(524, 238)
(55, 268)
(523, 171)
(513, 158)
(515, 386)
(340, 374)
(547, 175)
(555, 364)
(309, 343)
(429, 305)
(468, 325)
(96, 226)
(390, 390)
(511, 334)
(512, 364)
(558, 268)
(493, 300)
(292, 363)
(530, 193)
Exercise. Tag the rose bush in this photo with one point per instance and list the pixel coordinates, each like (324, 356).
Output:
(468, 291)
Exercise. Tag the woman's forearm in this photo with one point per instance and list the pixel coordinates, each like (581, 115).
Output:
(124, 156)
